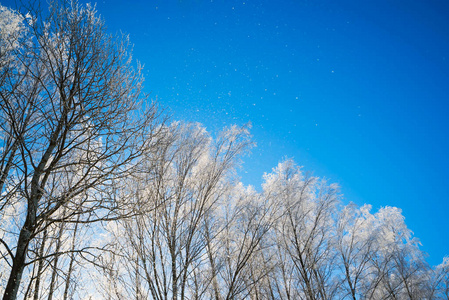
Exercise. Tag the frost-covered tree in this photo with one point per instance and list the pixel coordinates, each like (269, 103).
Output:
(389, 273)
(237, 244)
(439, 279)
(13, 30)
(305, 232)
(356, 245)
(72, 122)
(378, 256)
(182, 182)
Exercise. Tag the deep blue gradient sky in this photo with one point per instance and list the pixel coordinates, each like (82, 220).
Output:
(355, 91)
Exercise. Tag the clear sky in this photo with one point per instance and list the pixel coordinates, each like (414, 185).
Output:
(355, 91)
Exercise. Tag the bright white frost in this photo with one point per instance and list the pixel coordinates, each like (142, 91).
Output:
(12, 28)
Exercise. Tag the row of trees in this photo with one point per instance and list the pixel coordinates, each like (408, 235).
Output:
(293, 240)
(102, 198)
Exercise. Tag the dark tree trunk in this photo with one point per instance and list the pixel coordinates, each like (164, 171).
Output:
(19, 259)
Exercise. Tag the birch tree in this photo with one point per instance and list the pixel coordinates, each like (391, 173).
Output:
(236, 246)
(305, 232)
(356, 246)
(440, 281)
(185, 178)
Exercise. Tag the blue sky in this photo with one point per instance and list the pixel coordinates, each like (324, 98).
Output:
(355, 91)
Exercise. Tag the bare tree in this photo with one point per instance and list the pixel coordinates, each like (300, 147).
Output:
(440, 281)
(356, 245)
(182, 182)
(236, 247)
(73, 120)
(396, 268)
(305, 232)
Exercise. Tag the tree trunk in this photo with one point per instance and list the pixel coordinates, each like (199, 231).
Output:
(28, 228)
(55, 263)
(19, 259)
(72, 258)
(40, 266)
(212, 264)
